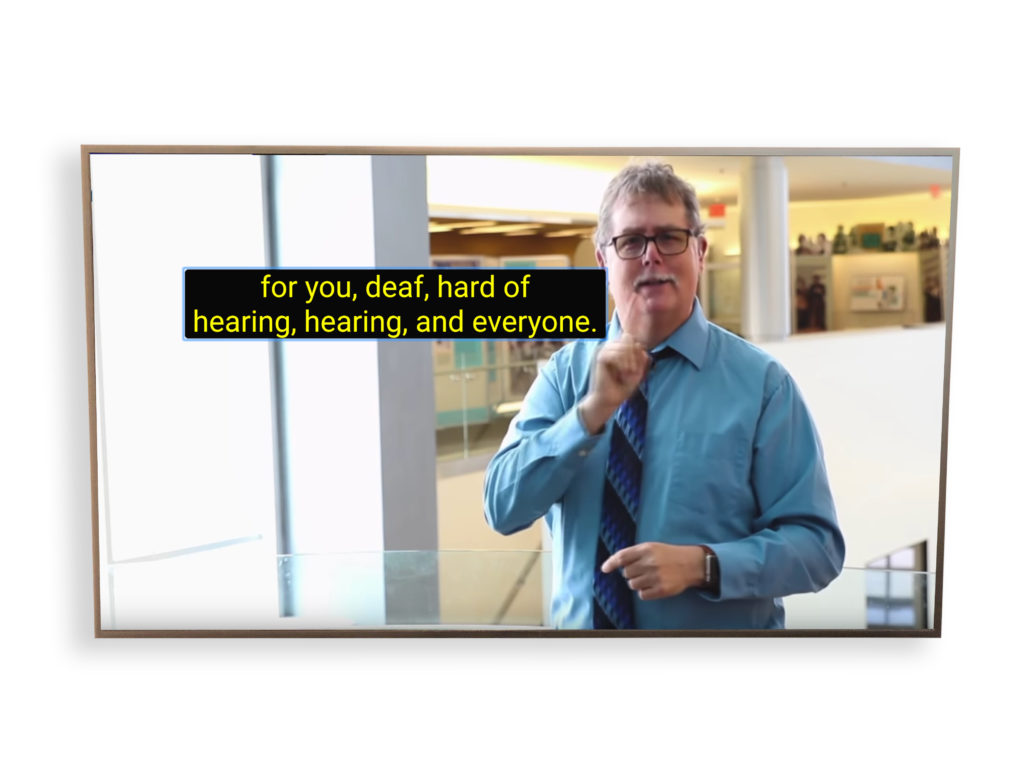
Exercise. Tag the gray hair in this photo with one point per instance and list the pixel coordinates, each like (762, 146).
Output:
(648, 177)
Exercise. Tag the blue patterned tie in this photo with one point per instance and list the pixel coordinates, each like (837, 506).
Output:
(620, 508)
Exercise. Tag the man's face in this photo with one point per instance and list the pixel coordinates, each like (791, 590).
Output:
(644, 298)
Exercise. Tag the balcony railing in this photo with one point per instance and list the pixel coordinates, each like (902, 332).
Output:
(238, 588)
(475, 405)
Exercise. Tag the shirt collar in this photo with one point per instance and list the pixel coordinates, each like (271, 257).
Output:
(690, 339)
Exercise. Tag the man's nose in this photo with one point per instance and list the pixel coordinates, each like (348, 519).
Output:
(651, 252)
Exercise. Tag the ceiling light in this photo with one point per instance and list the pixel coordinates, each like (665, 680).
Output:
(499, 228)
(577, 232)
(463, 224)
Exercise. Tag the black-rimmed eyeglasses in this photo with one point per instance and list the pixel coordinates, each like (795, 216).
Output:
(670, 242)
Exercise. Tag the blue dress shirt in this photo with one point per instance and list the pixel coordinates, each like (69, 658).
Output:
(732, 461)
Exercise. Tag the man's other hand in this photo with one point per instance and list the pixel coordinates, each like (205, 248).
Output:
(654, 570)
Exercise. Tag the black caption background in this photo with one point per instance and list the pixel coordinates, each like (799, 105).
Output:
(240, 293)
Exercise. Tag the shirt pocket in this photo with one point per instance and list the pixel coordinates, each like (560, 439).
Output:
(709, 472)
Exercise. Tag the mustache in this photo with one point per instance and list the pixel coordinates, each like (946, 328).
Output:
(654, 279)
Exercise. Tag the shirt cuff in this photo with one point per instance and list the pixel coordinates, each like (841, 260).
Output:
(571, 435)
(583, 426)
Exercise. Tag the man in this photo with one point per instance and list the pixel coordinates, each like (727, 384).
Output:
(699, 514)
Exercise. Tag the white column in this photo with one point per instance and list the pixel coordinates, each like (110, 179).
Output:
(361, 443)
(764, 243)
(407, 418)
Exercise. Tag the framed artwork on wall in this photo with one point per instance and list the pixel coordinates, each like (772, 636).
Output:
(878, 293)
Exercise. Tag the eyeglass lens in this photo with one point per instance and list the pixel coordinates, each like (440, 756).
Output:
(670, 242)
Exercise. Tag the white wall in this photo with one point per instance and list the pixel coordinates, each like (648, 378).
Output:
(171, 409)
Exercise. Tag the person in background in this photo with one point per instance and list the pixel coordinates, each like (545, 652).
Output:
(816, 304)
(932, 300)
(840, 244)
(802, 312)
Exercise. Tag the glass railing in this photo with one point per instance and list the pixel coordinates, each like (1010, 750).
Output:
(248, 588)
(867, 598)
(474, 405)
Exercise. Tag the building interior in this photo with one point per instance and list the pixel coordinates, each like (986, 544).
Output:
(862, 324)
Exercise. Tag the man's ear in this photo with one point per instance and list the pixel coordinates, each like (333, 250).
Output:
(600, 258)
(702, 250)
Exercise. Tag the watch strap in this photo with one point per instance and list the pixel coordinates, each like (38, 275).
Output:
(712, 576)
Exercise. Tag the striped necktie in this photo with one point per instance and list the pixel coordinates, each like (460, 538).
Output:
(620, 507)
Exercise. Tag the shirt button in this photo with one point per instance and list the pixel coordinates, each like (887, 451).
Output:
(583, 453)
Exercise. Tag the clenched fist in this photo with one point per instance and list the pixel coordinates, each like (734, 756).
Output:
(619, 368)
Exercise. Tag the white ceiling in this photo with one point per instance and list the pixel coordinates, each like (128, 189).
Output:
(573, 183)
(717, 177)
